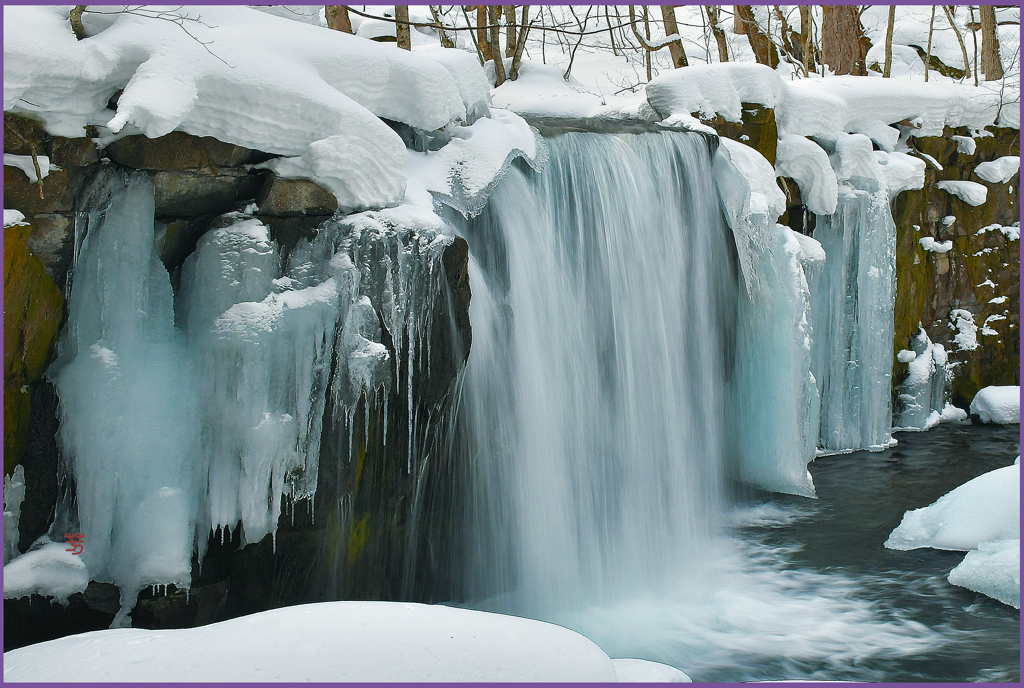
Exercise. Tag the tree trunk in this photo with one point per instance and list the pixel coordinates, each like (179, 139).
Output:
(764, 50)
(991, 65)
(668, 14)
(481, 33)
(714, 15)
(446, 40)
(524, 30)
(76, 26)
(807, 38)
(511, 41)
(844, 46)
(494, 12)
(928, 53)
(402, 27)
(337, 18)
(887, 70)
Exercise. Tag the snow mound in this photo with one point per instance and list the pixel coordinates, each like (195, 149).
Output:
(999, 171)
(327, 642)
(993, 569)
(902, 172)
(50, 569)
(971, 193)
(997, 404)
(312, 83)
(983, 509)
(13, 217)
(540, 91)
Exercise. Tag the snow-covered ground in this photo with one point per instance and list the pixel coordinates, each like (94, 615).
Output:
(335, 642)
(997, 404)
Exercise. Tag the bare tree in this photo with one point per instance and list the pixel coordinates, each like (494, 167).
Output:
(928, 54)
(337, 18)
(494, 14)
(446, 40)
(807, 34)
(517, 56)
(887, 70)
(764, 50)
(991, 65)
(675, 48)
(959, 39)
(844, 44)
(714, 13)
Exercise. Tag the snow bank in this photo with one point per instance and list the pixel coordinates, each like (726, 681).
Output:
(331, 642)
(312, 83)
(47, 569)
(643, 671)
(540, 91)
(1000, 170)
(971, 193)
(993, 569)
(997, 405)
(983, 509)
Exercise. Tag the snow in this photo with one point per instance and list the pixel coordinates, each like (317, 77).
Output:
(971, 193)
(965, 144)
(901, 172)
(330, 642)
(922, 394)
(760, 175)
(540, 91)
(930, 244)
(993, 569)
(1000, 170)
(48, 568)
(643, 671)
(981, 510)
(25, 164)
(715, 89)
(807, 163)
(997, 404)
(966, 338)
(312, 83)
(13, 217)
(906, 356)
(854, 157)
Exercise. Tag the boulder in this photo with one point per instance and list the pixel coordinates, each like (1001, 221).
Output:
(31, 198)
(179, 151)
(202, 192)
(52, 240)
(294, 197)
(77, 152)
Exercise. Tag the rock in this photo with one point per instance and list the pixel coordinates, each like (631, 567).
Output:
(179, 151)
(294, 197)
(33, 310)
(200, 192)
(21, 194)
(52, 240)
(177, 240)
(201, 605)
(35, 619)
(757, 130)
(23, 135)
(40, 460)
(288, 231)
(452, 334)
(77, 152)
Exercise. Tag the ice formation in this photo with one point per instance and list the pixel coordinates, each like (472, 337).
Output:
(997, 404)
(852, 300)
(48, 568)
(922, 394)
(14, 495)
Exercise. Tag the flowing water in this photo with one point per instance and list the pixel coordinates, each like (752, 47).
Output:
(606, 299)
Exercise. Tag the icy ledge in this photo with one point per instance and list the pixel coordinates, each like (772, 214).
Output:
(336, 641)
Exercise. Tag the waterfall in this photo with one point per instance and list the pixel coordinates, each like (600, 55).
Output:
(604, 311)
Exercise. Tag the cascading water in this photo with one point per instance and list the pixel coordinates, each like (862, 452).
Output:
(603, 316)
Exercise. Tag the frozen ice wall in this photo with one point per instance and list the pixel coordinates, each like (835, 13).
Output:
(129, 414)
(596, 388)
(922, 396)
(852, 300)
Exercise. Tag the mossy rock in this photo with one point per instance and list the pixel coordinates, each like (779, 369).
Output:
(23, 135)
(33, 311)
(757, 129)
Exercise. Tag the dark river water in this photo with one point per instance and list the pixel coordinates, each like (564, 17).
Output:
(804, 589)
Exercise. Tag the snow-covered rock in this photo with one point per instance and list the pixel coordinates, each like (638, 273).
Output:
(331, 642)
(715, 89)
(997, 404)
(983, 509)
(807, 163)
(930, 244)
